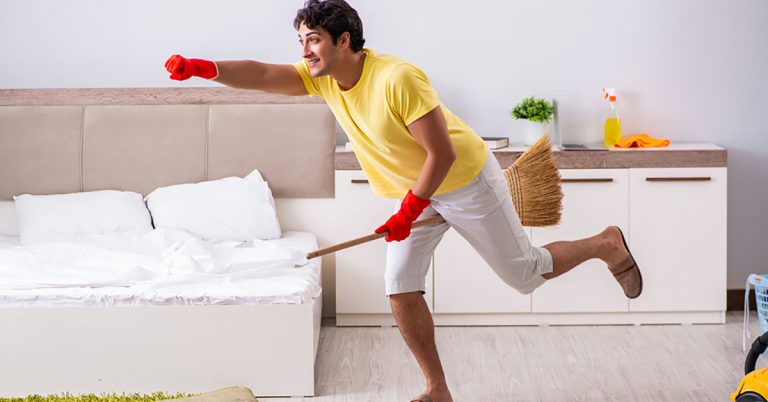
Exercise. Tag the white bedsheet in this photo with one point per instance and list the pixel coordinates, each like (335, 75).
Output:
(162, 267)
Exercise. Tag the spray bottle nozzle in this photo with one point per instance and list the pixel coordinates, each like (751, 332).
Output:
(610, 94)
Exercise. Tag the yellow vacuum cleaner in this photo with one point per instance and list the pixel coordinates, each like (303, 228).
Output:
(754, 385)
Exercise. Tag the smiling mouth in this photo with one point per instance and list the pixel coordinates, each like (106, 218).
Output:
(312, 62)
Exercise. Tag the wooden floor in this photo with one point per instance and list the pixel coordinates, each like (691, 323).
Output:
(576, 363)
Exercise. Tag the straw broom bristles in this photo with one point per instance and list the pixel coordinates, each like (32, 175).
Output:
(534, 184)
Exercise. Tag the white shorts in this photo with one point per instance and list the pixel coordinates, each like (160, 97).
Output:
(483, 213)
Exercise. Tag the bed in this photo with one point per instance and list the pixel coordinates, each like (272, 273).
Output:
(93, 339)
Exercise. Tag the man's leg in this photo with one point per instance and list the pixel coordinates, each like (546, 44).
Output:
(408, 262)
(489, 222)
(417, 328)
(607, 246)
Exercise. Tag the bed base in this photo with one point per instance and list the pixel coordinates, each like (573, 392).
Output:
(269, 348)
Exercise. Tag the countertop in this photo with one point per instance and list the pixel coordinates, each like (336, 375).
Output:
(674, 155)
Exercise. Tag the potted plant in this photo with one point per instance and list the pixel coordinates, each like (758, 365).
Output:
(533, 116)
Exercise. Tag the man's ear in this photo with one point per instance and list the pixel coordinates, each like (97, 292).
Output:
(344, 40)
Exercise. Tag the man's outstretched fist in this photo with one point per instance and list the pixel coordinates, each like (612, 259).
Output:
(182, 68)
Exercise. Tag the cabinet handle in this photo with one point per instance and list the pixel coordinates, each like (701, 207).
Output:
(678, 178)
(359, 181)
(594, 180)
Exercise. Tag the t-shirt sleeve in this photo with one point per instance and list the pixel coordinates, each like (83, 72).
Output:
(410, 94)
(309, 82)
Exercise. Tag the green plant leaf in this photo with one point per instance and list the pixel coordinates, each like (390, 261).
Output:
(533, 109)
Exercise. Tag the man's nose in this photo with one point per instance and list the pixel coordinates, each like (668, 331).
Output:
(305, 50)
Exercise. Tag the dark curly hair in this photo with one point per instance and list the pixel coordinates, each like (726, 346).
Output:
(336, 17)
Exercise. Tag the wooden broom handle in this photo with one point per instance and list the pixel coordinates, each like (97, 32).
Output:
(370, 237)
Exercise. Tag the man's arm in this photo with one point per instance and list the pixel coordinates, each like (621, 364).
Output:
(274, 78)
(246, 74)
(431, 132)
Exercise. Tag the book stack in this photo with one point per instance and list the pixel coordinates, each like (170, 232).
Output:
(496, 142)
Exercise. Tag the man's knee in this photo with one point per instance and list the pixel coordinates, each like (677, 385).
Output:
(406, 298)
(524, 273)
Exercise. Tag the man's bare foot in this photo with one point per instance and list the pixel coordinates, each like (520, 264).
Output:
(434, 395)
(615, 252)
(620, 262)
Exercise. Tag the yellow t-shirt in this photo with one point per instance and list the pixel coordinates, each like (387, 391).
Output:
(390, 95)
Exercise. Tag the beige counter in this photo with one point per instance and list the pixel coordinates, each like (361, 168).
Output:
(675, 155)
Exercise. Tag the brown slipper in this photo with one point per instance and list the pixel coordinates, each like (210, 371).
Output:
(421, 398)
(627, 273)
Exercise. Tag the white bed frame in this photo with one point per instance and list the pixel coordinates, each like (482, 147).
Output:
(270, 349)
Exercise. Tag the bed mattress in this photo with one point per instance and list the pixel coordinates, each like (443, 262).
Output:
(164, 267)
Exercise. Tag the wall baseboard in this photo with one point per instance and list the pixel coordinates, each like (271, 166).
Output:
(735, 300)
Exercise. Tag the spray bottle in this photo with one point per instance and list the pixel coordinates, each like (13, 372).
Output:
(613, 122)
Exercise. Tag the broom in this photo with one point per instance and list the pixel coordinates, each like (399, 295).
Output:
(534, 184)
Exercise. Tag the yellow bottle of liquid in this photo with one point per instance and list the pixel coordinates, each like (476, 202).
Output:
(612, 131)
(612, 128)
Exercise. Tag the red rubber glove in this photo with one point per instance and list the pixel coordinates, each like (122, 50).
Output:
(182, 68)
(399, 224)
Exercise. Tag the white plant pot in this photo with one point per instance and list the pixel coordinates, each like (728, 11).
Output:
(531, 131)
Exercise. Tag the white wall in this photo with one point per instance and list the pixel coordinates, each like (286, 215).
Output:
(688, 70)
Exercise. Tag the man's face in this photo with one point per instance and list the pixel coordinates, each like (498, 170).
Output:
(318, 49)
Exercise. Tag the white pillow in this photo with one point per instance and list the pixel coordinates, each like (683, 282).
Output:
(61, 217)
(229, 209)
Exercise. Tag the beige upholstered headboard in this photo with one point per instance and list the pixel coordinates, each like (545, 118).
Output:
(69, 140)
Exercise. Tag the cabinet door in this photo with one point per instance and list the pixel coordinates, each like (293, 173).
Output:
(360, 269)
(593, 199)
(678, 229)
(464, 283)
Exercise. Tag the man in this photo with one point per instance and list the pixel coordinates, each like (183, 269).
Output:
(413, 148)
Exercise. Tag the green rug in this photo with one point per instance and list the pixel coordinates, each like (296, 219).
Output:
(157, 396)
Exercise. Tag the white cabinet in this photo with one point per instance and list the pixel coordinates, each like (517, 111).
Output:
(593, 199)
(360, 269)
(674, 220)
(678, 235)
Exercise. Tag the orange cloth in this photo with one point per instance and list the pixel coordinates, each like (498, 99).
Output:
(641, 140)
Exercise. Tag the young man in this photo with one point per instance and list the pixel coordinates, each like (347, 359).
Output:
(413, 148)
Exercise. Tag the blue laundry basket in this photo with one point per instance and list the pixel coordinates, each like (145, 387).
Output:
(760, 282)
